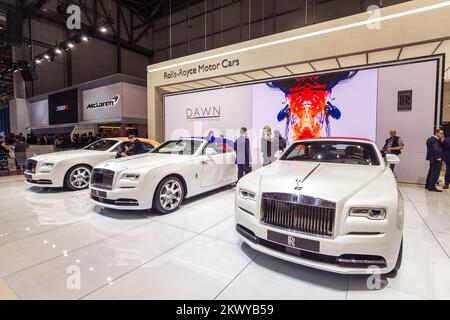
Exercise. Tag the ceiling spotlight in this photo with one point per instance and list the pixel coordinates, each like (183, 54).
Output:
(103, 29)
(84, 38)
(38, 61)
(70, 45)
(58, 51)
(46, 56)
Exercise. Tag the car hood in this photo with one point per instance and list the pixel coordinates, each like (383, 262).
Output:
(333, 182)
(147, 161)
(64, 155)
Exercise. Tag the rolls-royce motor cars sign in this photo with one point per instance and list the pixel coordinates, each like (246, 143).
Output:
(104, 104)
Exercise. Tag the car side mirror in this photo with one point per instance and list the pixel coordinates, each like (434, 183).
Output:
(392, 159)
(210, 152)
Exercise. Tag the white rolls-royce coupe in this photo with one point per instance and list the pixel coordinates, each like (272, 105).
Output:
(331, 204)
(161, 179)
(72, 169)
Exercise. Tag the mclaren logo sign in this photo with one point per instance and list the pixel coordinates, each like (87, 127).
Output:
(104, 104)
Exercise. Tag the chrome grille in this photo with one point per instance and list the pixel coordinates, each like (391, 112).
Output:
(299, 213)
(102, 178)
(30, 166)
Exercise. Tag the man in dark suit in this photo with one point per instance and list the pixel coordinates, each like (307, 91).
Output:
(447, 162)
(243, 154)
(435, 153)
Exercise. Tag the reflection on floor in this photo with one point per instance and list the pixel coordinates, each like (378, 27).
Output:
(57, 245)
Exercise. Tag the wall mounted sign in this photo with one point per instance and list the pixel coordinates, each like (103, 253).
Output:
(201, 68)
(404, 100)
(102, 104)
(203, 113)
(63, 107)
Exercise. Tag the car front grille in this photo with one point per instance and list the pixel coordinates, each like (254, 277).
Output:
(102, 178)
(30, 166)
(308, 215)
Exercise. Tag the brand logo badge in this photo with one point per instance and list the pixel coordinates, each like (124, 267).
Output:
(64, 107)
(291, 241)
(109, 103)
(203, 113)
(299, 186)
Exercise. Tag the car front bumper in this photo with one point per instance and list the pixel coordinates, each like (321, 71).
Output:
(47, 179)
(120, 199)
(335, 254)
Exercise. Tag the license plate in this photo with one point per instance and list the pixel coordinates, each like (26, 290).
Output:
(28, 176)
(293, 242)
(98, 193)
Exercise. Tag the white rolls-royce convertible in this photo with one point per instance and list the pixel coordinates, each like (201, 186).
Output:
(161, 179)
(331, 204)
(72, 169)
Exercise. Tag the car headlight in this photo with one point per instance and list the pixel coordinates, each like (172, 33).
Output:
(370, 213)
(46, 166)
(131, 176)
(247, 195)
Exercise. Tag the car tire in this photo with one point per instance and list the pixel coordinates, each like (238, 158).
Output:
(77, 178)
(398, 264)
(169, 195)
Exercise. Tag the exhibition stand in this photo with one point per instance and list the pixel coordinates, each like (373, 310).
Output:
(362, 84)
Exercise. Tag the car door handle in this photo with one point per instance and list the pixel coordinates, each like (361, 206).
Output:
(206, 161)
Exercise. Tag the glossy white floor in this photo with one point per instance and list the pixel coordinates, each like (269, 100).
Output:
(48, 239)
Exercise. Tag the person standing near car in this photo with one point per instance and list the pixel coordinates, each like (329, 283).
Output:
(243, 154)
(281, 141)
(267, 146)
(393, 145)
(434, 156)
(446, 144)
(20, 153)
(136, 146)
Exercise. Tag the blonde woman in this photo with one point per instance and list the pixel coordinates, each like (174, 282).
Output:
(267, 147)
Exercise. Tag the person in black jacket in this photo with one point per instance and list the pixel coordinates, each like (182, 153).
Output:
(136, 146)
(243, 154)
(281, 141)
(447, 162)
(393, 145)
(435, 153)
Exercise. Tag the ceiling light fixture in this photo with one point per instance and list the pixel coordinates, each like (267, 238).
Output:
(312, 34)
(58, 51)
(70, 45)
(85, 38)
(103, 29)
(46, 56)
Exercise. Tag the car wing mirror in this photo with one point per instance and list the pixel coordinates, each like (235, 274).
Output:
(392, 159)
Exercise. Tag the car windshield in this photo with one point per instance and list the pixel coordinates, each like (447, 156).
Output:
(101, 145)
(333, 152)
(179, 147)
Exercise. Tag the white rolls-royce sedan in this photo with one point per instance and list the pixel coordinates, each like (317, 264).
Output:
(331, 204)
(72, 169)
(161, 179)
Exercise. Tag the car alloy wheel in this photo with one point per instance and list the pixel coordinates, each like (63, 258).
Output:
(79, 178)
(171, 195)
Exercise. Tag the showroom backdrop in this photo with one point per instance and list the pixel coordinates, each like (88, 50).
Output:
(365, 104)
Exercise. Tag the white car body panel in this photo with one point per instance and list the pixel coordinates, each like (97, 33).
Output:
(346, 185)
(200, 173)
(65, 160)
